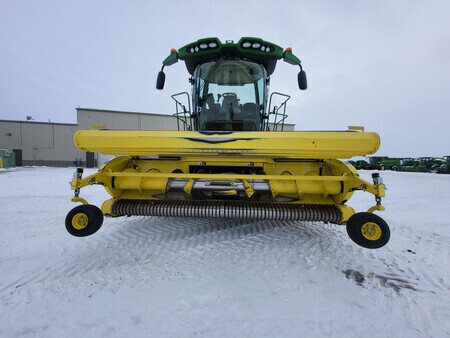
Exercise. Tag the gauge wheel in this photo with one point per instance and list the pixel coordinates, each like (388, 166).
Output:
(368, 230)
(84, 220)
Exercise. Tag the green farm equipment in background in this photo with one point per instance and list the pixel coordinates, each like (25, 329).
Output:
(420, 164)
(444, 168)
(412, 165)
(360, 164)
(384, 163)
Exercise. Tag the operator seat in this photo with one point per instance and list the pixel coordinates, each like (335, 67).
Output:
(210, 113)
(211, 104)
(230, 103)
(250, 114)
(250, 110)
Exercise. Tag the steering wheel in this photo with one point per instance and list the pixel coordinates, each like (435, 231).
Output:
(229, 94)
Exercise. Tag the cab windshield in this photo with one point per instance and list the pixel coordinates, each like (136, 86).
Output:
(229, 95)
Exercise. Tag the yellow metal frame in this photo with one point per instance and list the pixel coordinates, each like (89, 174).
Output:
(317, 145)
(151, 179)
(300, 167)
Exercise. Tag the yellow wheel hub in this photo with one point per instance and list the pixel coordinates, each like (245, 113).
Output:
(80, 221)
(371, 231)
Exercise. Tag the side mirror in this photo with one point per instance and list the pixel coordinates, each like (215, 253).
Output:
(160, 80)
(302, 82)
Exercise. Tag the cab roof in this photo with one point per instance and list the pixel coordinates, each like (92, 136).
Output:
(249, 48)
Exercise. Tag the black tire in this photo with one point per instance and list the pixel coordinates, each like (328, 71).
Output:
(368, 230)
(84, 220)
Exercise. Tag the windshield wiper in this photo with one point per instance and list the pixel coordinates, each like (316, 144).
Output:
(211, 72)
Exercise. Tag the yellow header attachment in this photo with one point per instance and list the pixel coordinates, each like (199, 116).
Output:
(317, 145)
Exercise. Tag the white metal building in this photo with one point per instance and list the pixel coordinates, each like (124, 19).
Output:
(111, 119)
(51, 144)
(38, 143)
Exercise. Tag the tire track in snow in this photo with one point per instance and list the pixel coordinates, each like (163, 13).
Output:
(142, 239)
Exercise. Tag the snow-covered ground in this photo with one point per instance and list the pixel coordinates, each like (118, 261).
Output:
(165, 277)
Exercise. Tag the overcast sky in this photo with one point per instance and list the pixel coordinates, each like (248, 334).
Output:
(381, 64)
